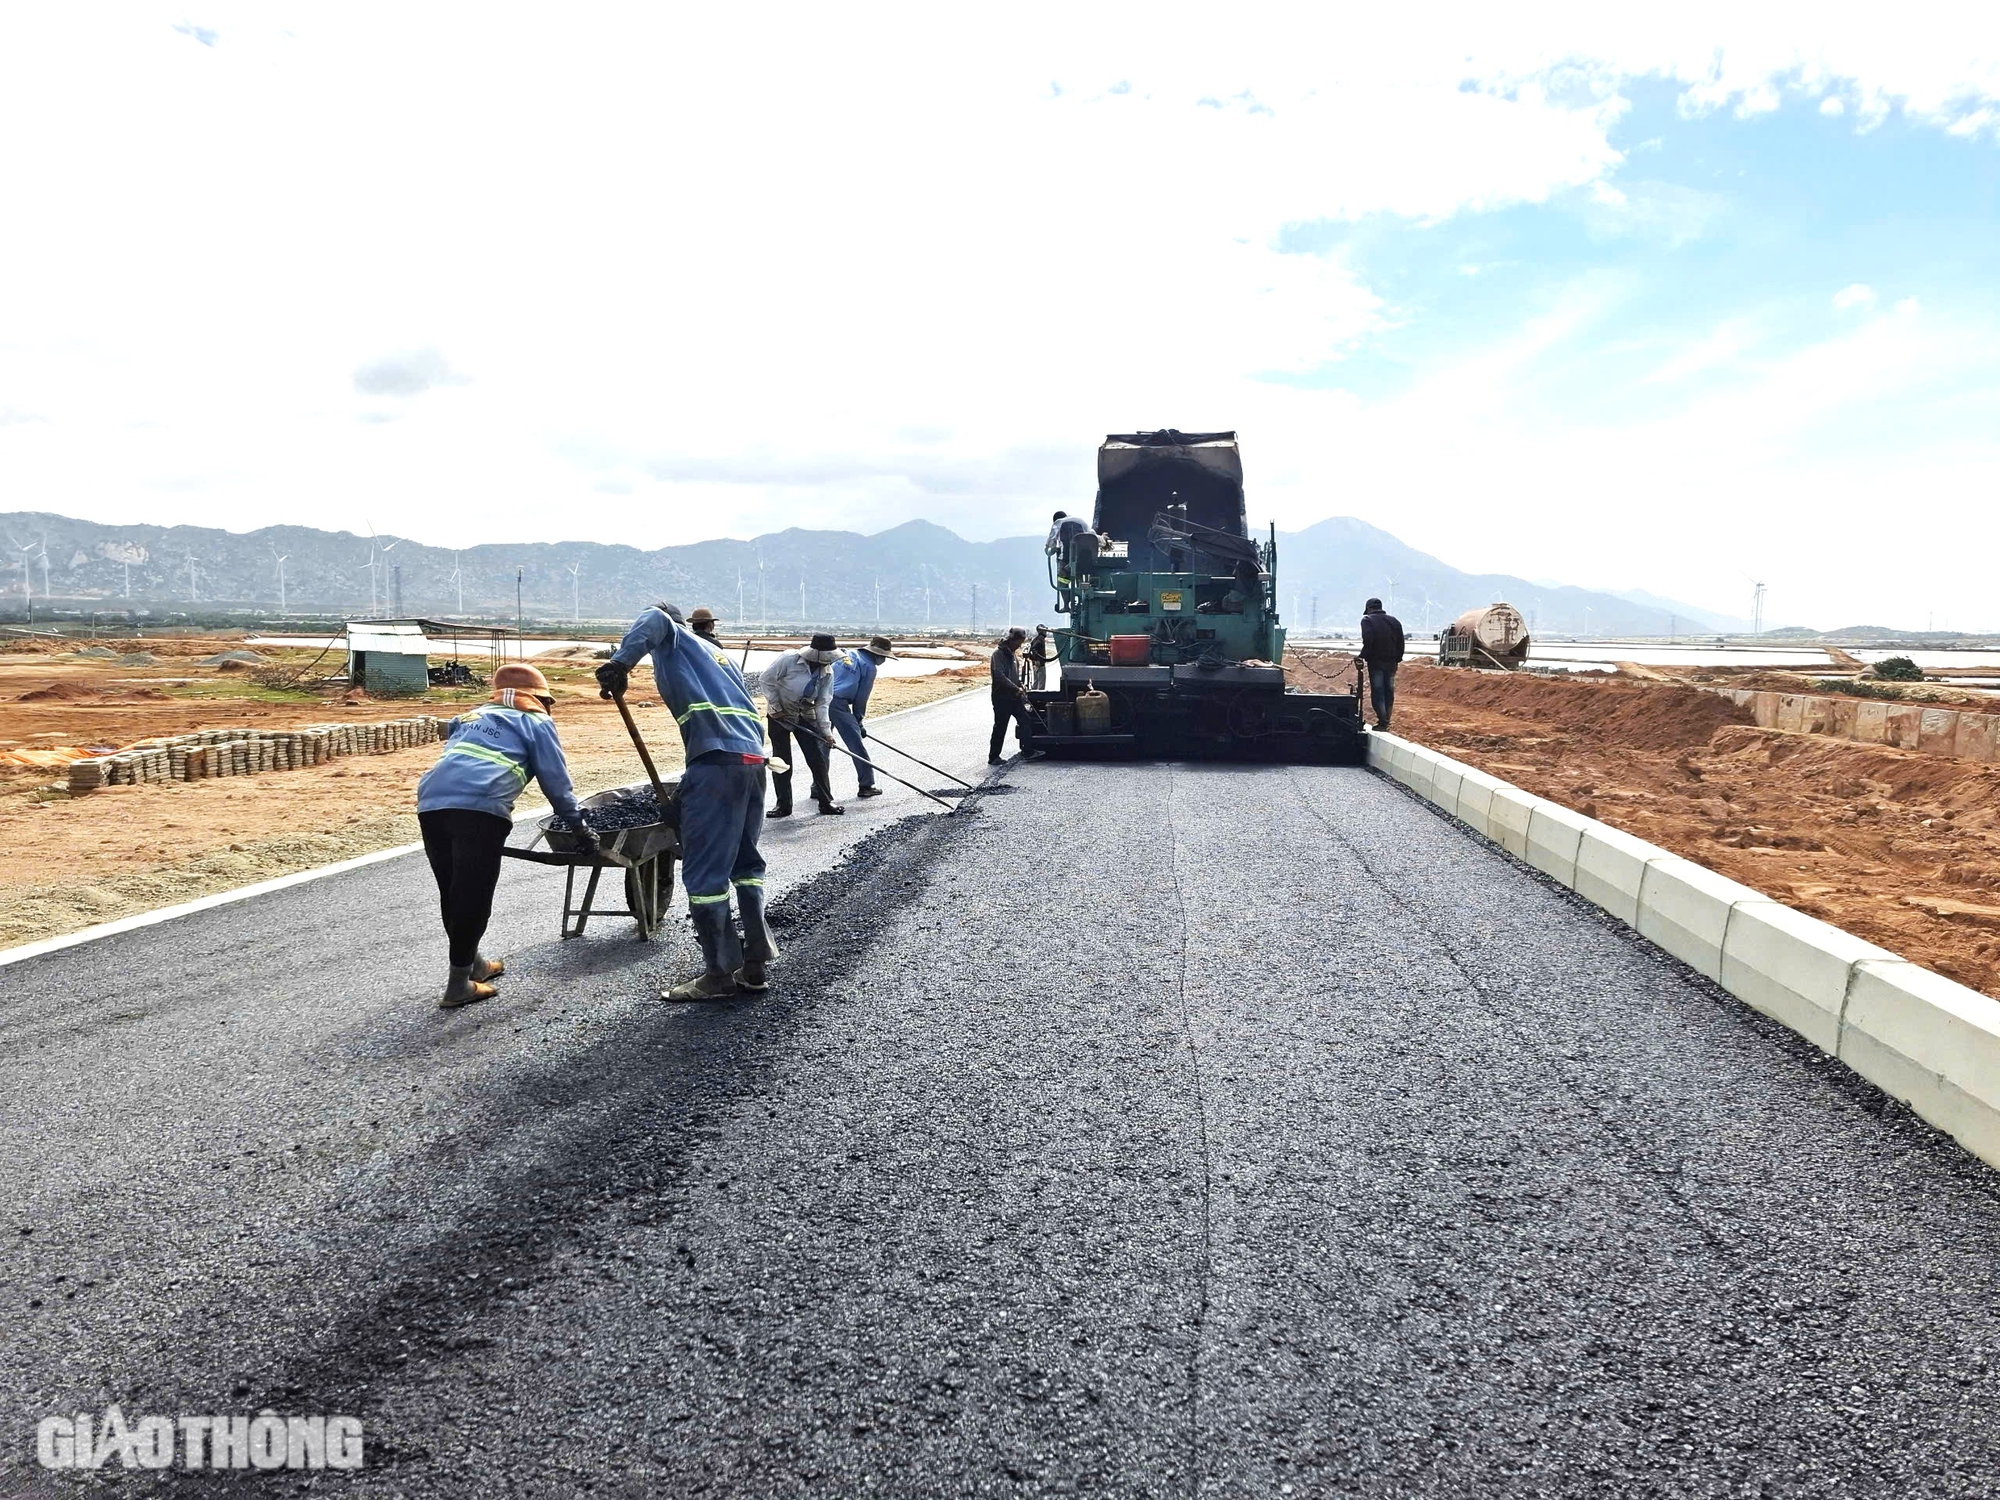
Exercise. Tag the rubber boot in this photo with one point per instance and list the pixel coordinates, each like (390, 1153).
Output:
(463, 989)
(759, 951)
(721, 956)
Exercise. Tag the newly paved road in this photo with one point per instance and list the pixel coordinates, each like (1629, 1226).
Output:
(1143, 1130)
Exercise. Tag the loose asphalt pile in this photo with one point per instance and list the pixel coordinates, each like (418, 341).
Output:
(1133, 1131)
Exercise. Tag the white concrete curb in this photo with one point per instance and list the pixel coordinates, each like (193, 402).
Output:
(1929, 1041)
(298, 877)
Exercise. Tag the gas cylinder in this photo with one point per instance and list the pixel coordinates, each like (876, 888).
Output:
(1093, 711)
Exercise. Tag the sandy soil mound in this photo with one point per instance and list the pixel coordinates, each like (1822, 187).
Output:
(61, 692)
(1643, 715)
(1897, 847)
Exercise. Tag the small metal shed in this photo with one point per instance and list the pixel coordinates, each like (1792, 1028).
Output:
(388, 656)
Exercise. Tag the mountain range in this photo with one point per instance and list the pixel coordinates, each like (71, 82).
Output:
(908, 576)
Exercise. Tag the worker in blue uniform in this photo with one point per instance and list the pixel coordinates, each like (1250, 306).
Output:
(465, 807)
(721, 796)
(853, 681)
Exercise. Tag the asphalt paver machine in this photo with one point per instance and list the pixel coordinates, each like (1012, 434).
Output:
(1174, 648)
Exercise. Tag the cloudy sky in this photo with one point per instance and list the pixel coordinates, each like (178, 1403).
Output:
(1670, 303)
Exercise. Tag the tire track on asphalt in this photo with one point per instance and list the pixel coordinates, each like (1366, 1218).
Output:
(1444, 938)
(1201, 1132)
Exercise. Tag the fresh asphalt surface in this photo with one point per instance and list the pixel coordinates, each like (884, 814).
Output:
(1142, 1130)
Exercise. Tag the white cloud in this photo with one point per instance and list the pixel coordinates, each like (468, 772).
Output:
(732, 261)
(1860, 294)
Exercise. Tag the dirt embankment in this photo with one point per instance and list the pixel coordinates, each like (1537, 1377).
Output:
(1900, 848)
(69, 863)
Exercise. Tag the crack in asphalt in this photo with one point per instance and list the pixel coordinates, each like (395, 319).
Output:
(1207, 1163)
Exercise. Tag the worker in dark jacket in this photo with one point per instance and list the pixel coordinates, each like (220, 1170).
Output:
(721, 796)
(465, 807)
(1009, 698)
(1382, 650)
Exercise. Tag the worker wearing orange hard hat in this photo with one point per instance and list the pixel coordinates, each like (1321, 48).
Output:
(465, 807)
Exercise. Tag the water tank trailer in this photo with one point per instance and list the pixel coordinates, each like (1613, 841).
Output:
(1174, 648)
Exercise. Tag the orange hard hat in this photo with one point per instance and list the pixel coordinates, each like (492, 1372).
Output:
(522, 678)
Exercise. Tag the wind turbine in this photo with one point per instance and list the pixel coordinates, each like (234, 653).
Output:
(1010, 604)
(45, 565)
(878, 604)
(281, 578)
(763, 612)
(457, 581)
(193, 596)
(739, 595)
(802, 598)
(575, 614)
(27, 579)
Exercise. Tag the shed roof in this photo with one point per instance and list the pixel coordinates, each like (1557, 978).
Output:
(402, 640)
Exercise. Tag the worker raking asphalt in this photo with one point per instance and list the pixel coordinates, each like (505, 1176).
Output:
(1141, 1130)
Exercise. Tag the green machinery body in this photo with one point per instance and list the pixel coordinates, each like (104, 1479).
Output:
(1173, 618)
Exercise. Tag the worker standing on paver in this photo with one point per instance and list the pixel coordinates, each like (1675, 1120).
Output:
(721, 798)
(1064, 531)
(1009, 699)
(1382, 650)
(1041, 651)
(853, 682)
(798, 693)
(465, 807)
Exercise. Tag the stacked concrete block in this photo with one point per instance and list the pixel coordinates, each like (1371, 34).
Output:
(246, 752)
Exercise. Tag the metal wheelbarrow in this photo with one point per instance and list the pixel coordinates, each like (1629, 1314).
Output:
(645, 851)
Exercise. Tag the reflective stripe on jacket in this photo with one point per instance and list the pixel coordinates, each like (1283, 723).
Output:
(491, 755)
(699, 684)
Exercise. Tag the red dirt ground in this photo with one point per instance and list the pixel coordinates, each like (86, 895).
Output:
(1900, 848)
